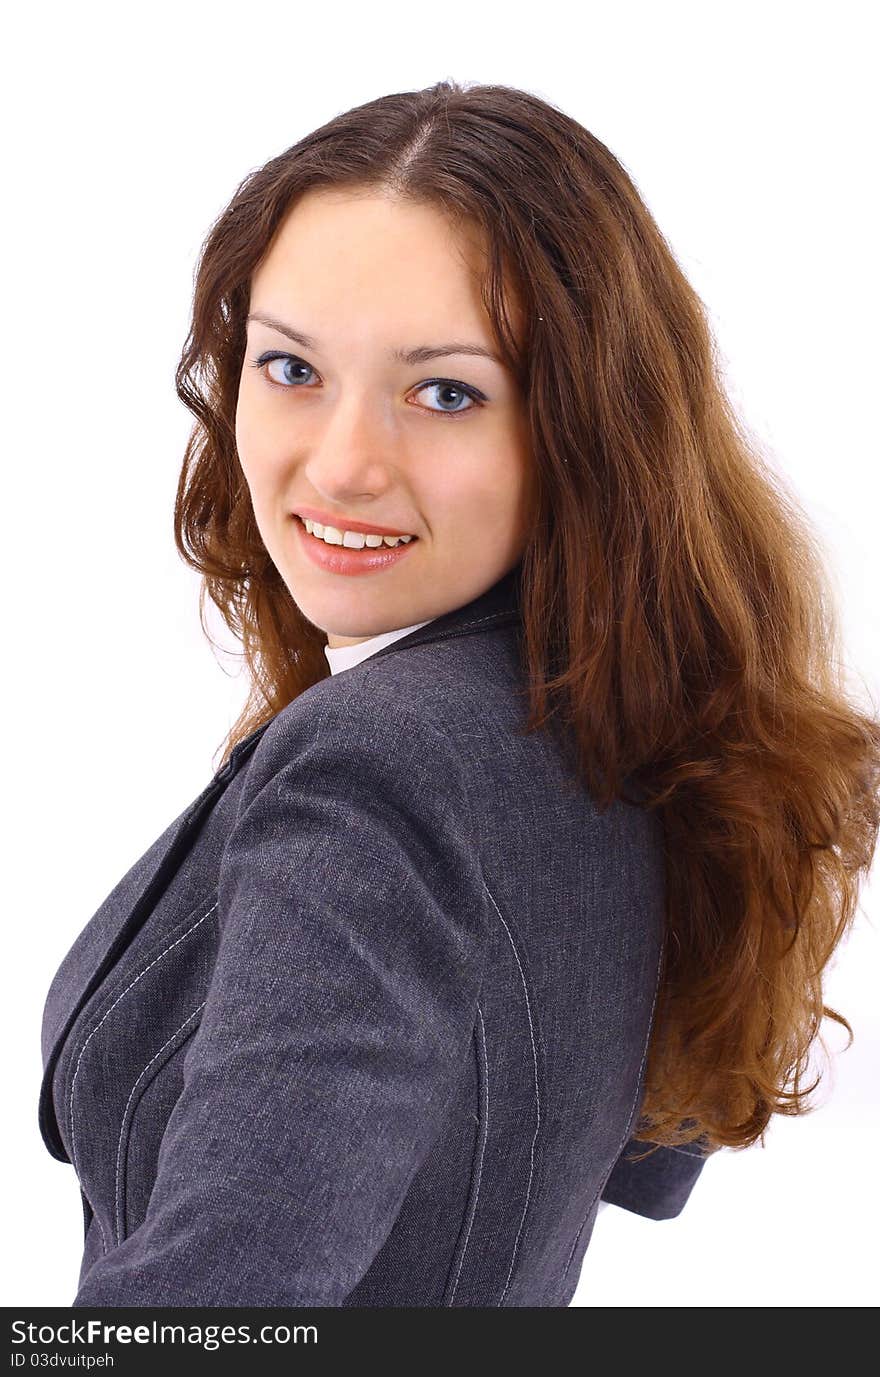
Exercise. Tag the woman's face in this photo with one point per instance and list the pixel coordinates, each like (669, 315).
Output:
(342, 426)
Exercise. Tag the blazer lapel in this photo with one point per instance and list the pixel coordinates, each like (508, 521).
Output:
(98, 949)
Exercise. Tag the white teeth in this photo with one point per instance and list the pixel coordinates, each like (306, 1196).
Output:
(352, 540)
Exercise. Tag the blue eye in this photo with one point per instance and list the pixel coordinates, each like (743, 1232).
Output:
(265, 359)
(450, 386)
(290, 362)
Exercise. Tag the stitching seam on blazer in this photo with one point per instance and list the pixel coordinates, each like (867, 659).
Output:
(483, 1074)
(94, 1030)
(629, 1123)
(490, 896)
(463, 626)
(165, 1044)
(537, 1096)
(458, 631)
(477, 620)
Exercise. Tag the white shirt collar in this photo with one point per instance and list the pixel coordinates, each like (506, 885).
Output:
(344, 656)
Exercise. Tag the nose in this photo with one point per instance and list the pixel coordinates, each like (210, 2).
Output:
(353, 452)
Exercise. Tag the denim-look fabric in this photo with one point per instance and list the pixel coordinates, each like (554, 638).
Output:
(367, 1024)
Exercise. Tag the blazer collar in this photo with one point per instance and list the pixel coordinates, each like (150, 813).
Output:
(498, 605)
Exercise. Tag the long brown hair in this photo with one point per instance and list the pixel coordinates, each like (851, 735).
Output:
(677, 619)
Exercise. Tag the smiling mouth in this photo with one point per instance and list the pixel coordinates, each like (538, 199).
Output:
(353, 540)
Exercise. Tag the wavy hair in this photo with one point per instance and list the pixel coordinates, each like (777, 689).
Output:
(678, 627)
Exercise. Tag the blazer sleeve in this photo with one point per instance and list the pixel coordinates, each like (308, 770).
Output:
(658, 1185)
(340, 1008)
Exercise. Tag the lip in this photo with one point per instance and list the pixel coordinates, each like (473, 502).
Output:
(347, 523)
(339, 559)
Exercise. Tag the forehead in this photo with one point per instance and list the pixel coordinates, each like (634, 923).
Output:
(362, 255)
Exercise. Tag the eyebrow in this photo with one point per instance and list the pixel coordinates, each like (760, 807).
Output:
(420, 354)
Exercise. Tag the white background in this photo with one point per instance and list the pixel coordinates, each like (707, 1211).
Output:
(749, 131)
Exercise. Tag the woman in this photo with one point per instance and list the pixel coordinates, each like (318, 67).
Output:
(527, 902)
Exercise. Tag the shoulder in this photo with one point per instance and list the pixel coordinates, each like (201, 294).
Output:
(423, 702)
(342, 772)
(358, 735)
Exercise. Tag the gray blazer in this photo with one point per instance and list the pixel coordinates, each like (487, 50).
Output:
(366, 1025)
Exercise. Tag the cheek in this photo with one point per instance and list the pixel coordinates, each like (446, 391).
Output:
(262, 487)
(248, 430)
(503, 493)
(257, 455)
(517, 482)
(257, 430)
(488, 492)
